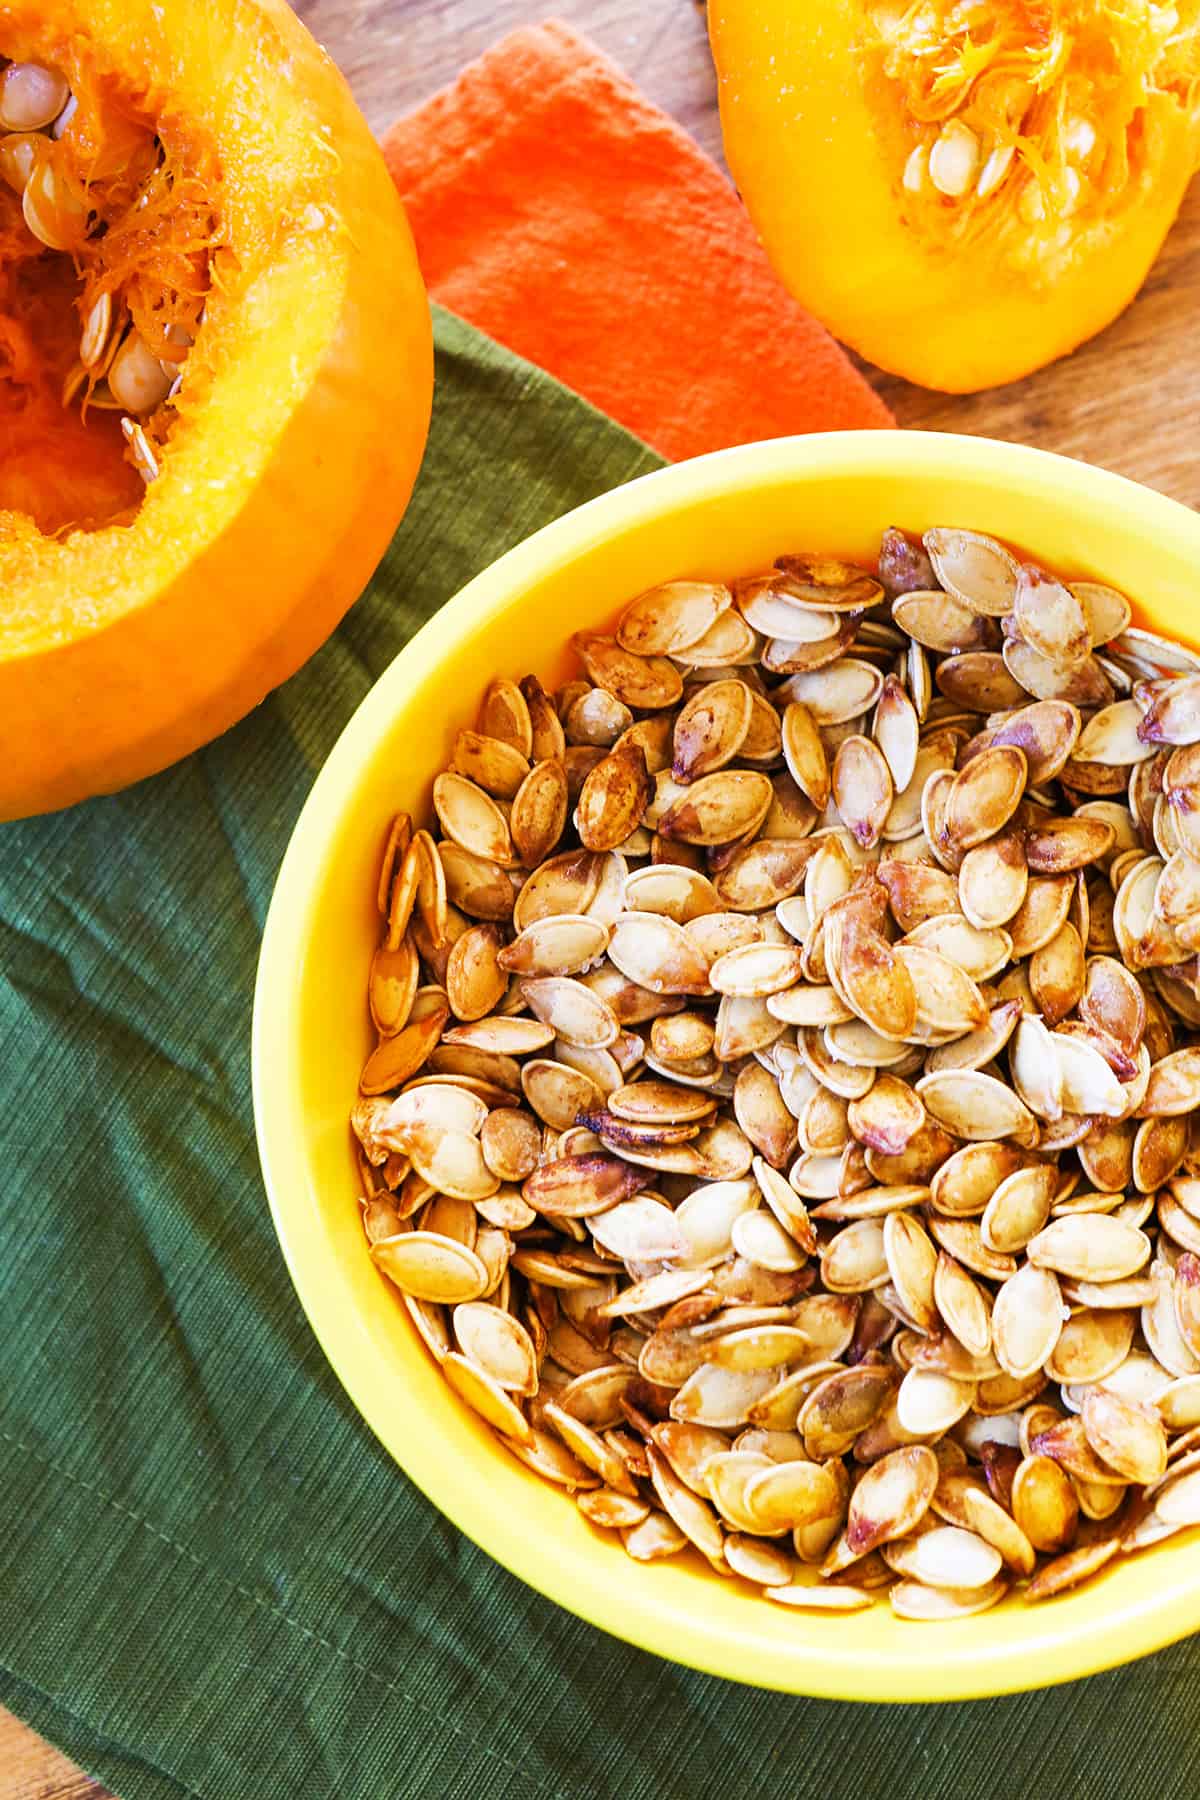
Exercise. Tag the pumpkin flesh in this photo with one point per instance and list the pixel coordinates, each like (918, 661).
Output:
(137, 621)
(961, 192)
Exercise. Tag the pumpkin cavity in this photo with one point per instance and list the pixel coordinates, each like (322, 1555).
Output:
(1005, 119)
(110, 216)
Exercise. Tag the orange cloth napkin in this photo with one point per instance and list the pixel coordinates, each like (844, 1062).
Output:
(557, 210)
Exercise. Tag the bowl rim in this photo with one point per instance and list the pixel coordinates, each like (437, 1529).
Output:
(1061, 1653)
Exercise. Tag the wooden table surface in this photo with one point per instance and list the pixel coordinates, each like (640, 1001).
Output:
(1125, 401)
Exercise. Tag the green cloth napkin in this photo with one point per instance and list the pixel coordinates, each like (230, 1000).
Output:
(214, 1582)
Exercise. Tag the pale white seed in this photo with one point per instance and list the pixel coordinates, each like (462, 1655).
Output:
(915, 169)
(31, 97)
(1079, 138)
(994, 170)
(135, 377)
(954, 159)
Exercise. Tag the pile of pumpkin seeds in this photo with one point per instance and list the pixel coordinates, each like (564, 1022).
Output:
(779, 1128)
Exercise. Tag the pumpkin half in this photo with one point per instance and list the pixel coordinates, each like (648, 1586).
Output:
(962, 190)
(215, 376)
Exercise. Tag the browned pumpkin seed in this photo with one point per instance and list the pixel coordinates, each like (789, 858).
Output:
(396, 1059)
(1066, 1443)
(1047, 731)
(680, 893)
(984, 795)
(1059, 846)
(1019, 1207)
(929, 1402)
(545, 730)
(1174, 1086)
(979, 682)
(499, 1344)
(475, 983)
(490, 763)
(613, 798)
(961, 1304)
(505, 715)
(911, 1261)
(811, 1597)
(977, 1106)
(728, 642)
(787, 1496)
(946, 1556)
(718, 808)
(1044, 1504)
(871, 978)
(1069, 1570)
(964, 1184)
(1026, 1321)
(917, 892)
(896, 730)
(589, 1182)
(590, 1449)
(429, 1267)
(1111, 736)
(392, 986)
(671, 616)
(826, 581)
(764, 873)
(792, 656)
(486, 1396)
(862, 788)
(904, 565)
(993, 881)
(657, 1536)
(644, 683)
(840, 1407)
(1051, 618)
(891, 1498)
(395, 852)
(980, 954)
(854, 1261)
(711, 728)
(1173, 714)
(1083, 684)
(754, 971)
(975, 569)
(941, 622)
(472, 819)
(656, 953)
(770, 611)
(887, 1117)
(840, 691)
(539, 811)
(572, 1011)
(510, 1141)
(1057, 974)
(1090, 1247)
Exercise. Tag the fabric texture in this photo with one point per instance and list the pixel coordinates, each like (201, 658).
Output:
(215, 1583)
(560, 212)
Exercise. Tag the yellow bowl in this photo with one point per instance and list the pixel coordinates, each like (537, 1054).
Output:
(720, 515)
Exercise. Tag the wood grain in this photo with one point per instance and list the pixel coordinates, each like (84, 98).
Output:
(31, 1769)
(1127, 400)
